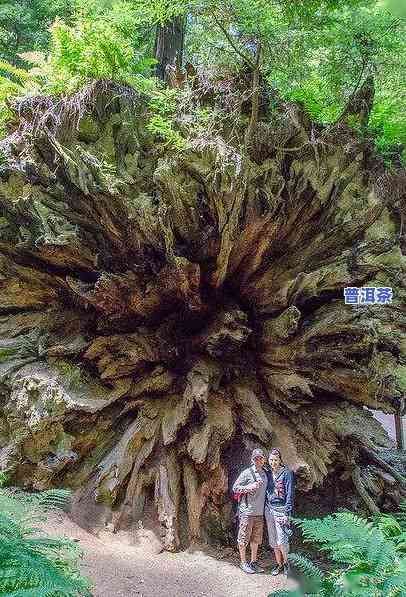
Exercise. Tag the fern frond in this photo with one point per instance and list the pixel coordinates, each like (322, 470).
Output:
(401, 516)
(32, 564)
(351, 539)
(388, 524)
(331, 589)
(402, 506)
(19, 504)
(396, 583)
(54, 499)
(18, 75)
(306, 566)
(8, 87)
(286, 593)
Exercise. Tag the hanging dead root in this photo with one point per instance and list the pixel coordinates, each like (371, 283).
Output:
(379, 461)
(60, 116)
(377, 479)
(360, 487)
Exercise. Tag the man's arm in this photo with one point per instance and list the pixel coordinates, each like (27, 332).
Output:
(243, 484)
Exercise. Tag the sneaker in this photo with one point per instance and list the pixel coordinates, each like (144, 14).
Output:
(247, 568)
(277, 570)
(286, 569)
(256, 567)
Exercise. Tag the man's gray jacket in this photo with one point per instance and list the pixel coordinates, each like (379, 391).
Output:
(251, 504)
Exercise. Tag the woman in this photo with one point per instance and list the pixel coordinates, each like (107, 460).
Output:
(278, 508)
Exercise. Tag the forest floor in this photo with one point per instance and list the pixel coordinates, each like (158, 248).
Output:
(118, 568)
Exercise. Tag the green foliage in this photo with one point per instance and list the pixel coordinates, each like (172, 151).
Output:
(332, 62)
(31, 507)
(367, 559)
(24, 25)
(105, 41)
(32, 564)
(394, 527)
(104, 46)
(4, 479)
(18, 75)
(162, 127)
(162, 11)
(329, 47)
(162, 104)
(8, 90)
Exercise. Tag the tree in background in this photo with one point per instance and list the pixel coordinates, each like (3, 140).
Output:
(169, 43)
(329, 51)
(24, 25)
(330, 48)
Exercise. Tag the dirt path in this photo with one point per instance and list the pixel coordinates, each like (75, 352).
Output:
(119, 569)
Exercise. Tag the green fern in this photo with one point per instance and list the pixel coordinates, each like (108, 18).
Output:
(19, 504)
(370, 560)
(162, 127)
(394, 526)
(32, 564)
(307, 567)
(4, 479)
(284, 593)
(350, 539)
(17, 75)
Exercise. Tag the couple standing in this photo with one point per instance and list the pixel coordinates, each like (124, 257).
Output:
(264, 492)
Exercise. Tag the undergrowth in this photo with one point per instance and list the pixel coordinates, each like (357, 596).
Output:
(32, 564)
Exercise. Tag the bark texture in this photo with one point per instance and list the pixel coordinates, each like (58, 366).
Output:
(169, 46)
(163, 312)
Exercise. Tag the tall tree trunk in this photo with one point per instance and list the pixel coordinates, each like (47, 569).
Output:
(163, 312)
(169, 42)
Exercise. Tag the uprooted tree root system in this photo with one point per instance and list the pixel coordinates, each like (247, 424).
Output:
(163, 311)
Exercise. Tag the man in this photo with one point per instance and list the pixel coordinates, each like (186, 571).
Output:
(251, 486)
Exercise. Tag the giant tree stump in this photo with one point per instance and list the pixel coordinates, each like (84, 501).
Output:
(163, 312)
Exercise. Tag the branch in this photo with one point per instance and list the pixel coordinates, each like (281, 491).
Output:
(232, 43)
(356, 88)
(255, 102)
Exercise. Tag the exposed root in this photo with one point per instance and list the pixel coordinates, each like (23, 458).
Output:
(374, 457)
(361, 489)
(58, 117)
(165, 312)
